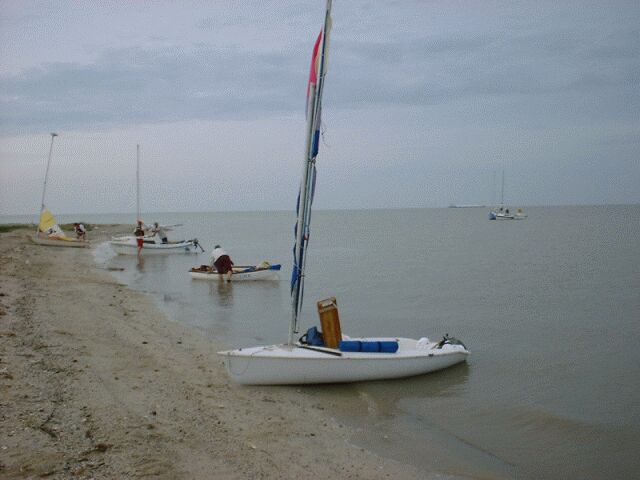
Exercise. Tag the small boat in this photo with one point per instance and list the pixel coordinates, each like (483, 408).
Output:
(297, 364)
(263, 271)
(56, 240)
(336, 358)
(62, 242)
(49, 232)
(129, 246)
(59, 242)
(502, 213)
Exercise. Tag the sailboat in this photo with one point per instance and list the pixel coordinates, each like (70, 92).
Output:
(352, 359)
(127, 244)
(49, 232)
(502, 213)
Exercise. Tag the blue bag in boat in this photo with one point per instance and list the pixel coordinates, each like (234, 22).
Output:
(388, 347)
(349, 345)
(368, 346)
(314, 337)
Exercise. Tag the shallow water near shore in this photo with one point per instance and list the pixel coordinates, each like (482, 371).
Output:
(549, 308)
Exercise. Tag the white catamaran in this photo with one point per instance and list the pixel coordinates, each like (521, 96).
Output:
(49, 232)
(152, 245)
(355, 359)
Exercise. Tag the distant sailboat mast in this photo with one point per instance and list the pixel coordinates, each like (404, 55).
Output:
(46, 176)
(502, 191)
(305, 195)
(494, 200)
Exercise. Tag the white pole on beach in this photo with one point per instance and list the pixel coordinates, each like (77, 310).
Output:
(46, 176)
(137, 183)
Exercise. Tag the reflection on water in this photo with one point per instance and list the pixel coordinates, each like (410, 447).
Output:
(222, 292)
(381, 415)
(384, 397)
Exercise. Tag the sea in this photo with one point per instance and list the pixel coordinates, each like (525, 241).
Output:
(548, 306)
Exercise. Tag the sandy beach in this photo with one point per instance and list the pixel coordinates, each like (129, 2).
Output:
(96, 382)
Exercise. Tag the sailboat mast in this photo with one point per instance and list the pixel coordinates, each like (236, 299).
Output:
(305, 197)
(502, 191)
(137, 183)
(494, 183)
(46, 174)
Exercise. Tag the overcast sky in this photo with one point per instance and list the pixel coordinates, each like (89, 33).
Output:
(426, 102)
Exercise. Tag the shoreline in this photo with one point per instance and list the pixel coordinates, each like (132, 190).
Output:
(97, 382)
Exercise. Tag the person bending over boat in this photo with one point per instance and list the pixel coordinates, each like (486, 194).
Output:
(159, 231)
(81, 232)
(221, 262)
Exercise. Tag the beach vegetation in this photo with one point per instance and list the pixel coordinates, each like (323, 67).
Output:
(10, 227)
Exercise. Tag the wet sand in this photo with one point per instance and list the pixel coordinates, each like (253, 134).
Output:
(96, 382)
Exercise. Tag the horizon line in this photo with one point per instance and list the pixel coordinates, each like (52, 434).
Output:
(150, 212)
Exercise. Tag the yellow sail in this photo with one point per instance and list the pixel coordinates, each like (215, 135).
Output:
(49, 226)
(47, 220)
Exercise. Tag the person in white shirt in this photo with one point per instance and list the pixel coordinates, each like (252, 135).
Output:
(221, 261)
(159, 231)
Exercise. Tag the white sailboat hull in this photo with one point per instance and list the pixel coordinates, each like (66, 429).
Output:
(288, 365)
(500, 216)
(128, 246)
(51, 242)
(506, 216)
(239, 274)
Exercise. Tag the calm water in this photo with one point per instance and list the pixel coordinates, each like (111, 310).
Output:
(549, 307)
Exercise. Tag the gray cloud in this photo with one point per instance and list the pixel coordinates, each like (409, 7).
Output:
(137, 85)
(436, 70)
(201, 82)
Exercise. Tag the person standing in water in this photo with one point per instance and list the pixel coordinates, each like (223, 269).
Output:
(139, 233)
(221, 261)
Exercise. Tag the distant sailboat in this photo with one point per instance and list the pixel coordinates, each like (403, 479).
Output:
(502, 213)
(339, 358)
(49, 232)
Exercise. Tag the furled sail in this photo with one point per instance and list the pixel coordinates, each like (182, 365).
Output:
(307, 185)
